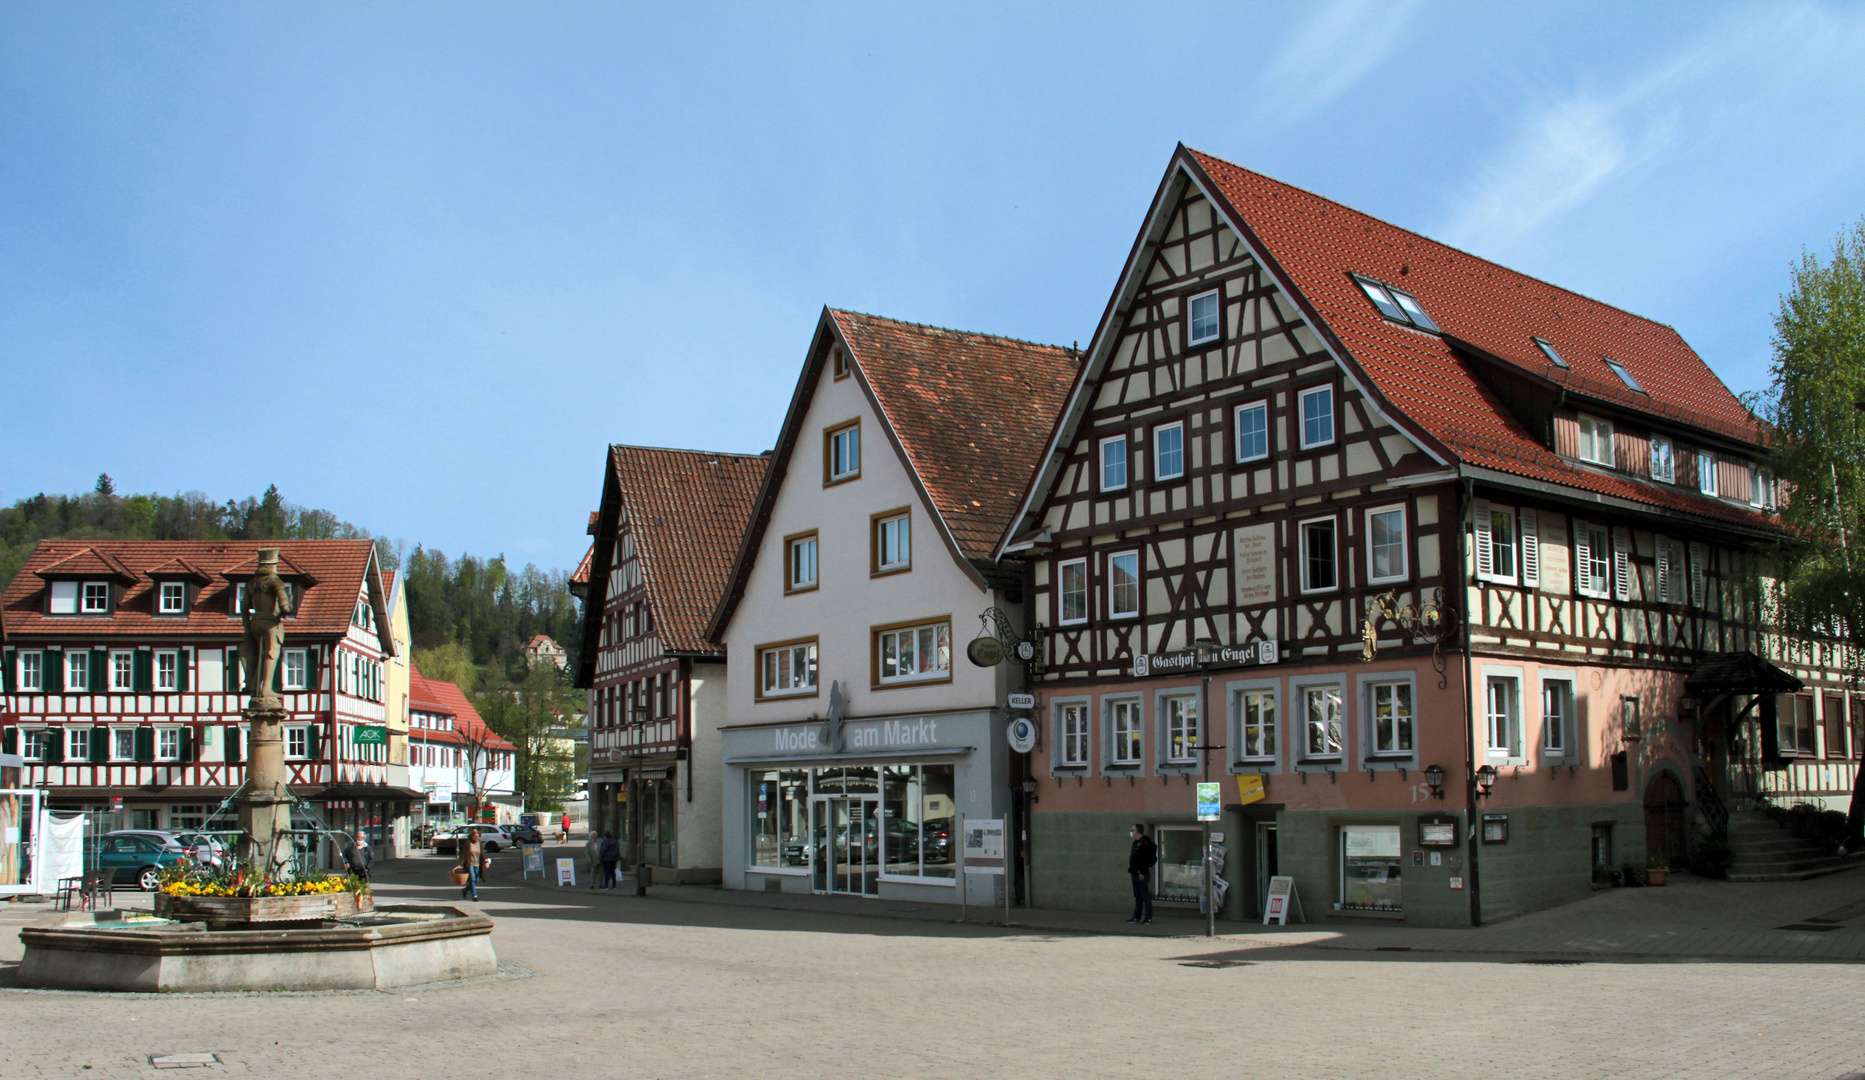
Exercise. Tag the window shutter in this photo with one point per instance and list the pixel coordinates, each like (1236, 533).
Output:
(145, 739)
(184, 662)
(1529, 521)
(142, 667)
(55, 746)
(9, 740)
(230, 673)
(1621, 564)
(1583, 558)
(100, 745)
(310, 668)
(1699, 574)
(313, 741)
(1665, 570)
(233, 744)
(278, 674)
(100, 671)
(52, 672)
(7, 676)
(1485, 561)
(187, 744)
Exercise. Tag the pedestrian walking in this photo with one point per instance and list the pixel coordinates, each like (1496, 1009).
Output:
(593, 849)
(1140, 859)
(469, 858)
(359, 856)
(611, 855)
(563, 830)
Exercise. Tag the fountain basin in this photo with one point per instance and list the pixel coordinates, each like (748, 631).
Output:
(396, 945)
(235, 910)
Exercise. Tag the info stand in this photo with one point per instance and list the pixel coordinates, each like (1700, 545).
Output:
(534, 859)
(1282, 898)
(981, 852)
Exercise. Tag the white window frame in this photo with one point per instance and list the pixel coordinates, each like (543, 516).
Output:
(1706, 473)
(1237, 415)
(1567, 726)
(29, 672)
(1585, 556)
(1177, 427)
(1595, 433)
(901, 525)
(1371, 687)
(845, 451)
(301, 734)
(62, 598)
(1074, 739)
(1487, 547)
(1114, 611)
(101, 594)
(33, 742)
(1663, 459)
(1404, 546)
(78, 744)
(1266, 695)
(75, 659)
(1305, 694)
(118, 735)
(942, 671)
(300, 680)
(1126, 463)
(812, 665)
(1308, 586)
(166, 682)
(1126, 731)
(168, 743)
(239, 599)
(1063, 592)
(792, 582)
(1301, 416)
(1510, 752)
(179, 591)
(1192, 337)
(1179, 732)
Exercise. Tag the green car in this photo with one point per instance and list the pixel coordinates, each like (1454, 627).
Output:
(135, 860)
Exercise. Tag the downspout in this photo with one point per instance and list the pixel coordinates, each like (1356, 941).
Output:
(1466, 500)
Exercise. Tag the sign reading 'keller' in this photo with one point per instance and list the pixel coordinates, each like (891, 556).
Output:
(1185, 661)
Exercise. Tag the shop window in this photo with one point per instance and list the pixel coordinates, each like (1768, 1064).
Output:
(917, 818)
(781, 827)
(1369, 868)
(1179, 874)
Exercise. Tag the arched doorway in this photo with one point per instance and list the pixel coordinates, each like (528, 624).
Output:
(1664, 819)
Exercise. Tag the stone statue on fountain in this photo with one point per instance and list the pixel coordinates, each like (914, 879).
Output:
(264, 802)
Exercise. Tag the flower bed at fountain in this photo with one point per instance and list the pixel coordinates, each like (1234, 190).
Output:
(229, 899)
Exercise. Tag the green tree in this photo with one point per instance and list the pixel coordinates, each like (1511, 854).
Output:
(448, 662)
(1813, 406)
(539, 712)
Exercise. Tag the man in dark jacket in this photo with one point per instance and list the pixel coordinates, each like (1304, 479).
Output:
(1140, 860)
(611, 854)
(359, 856)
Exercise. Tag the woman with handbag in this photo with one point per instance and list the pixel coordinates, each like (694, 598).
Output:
(469, 861)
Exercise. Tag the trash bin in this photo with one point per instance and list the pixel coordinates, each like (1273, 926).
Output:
(644, 876)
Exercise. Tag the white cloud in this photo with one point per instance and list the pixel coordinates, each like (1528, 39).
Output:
(1337, 47)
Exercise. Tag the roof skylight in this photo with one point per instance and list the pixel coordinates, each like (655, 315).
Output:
(1547, 350)
(1401, 308)
(1624, 375)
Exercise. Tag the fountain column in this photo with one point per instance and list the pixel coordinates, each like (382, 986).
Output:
(264, 801)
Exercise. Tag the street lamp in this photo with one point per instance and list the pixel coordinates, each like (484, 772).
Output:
(1485, 779)
(1434, 779)
(1205, 650)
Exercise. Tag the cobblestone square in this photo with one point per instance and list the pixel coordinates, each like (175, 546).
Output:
(612, 985)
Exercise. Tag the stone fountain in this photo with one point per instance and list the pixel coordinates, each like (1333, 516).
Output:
(320, 941)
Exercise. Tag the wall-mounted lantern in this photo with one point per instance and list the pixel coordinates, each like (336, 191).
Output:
(1434, 779)
(1485, 779)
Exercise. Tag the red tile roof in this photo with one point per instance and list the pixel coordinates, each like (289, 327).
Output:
(82, 561)
(439, 696)
(336, 569)
(581, 577)
(1316, 244)
(687, 510)
(971, 411)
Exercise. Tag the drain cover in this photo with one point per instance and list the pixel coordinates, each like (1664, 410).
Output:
(1550, 962)
(183, 1061)
(1818, 928)
(1217, 963)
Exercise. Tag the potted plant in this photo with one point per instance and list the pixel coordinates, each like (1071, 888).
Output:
(1656, 867)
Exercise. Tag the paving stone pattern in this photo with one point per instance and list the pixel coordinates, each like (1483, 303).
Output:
(682, 985)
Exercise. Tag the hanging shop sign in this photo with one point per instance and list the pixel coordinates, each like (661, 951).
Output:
(371, 736)
(1021, 701)
(1250, 789)
(1185, 661)
(1210, 803)
(985, 651)
(1021, 732)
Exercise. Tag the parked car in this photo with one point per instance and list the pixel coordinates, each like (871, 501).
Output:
(135, 858)
(491, 838)
(525, 834)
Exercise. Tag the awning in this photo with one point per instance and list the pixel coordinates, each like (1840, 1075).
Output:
(363, 793)
(1740, 672)
(860, 757)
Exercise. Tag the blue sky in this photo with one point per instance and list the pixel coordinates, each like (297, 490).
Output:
(446, 253)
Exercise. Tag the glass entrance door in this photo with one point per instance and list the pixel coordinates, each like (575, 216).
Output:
(845, 844)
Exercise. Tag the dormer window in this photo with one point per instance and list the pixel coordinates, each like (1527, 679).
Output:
(1663, 463)
(1397, 306)
(1624, 375)
(96, 598)
(1547, 350)
(1596, 440)
(171, 598)
(1706, 473)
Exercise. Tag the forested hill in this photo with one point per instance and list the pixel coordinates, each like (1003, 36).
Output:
(480, 604)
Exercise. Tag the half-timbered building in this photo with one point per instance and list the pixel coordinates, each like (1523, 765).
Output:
(858, 736)
(1343, 517)
(456, 761)
(665, 534)
(123, 682)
